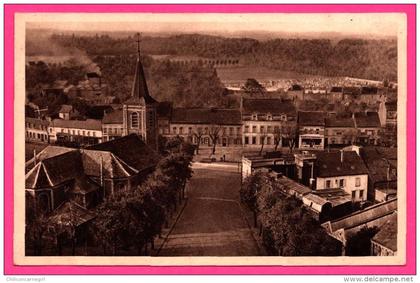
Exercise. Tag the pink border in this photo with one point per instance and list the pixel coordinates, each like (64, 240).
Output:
(408, 268)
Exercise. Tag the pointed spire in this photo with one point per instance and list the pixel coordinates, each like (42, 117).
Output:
(139, 90)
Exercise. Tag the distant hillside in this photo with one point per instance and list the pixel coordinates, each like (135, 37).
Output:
(369, 59)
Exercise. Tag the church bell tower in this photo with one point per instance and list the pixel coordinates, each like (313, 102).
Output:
(140, 110)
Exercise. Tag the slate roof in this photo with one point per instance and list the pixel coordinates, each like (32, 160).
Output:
(377, 160)
(206, 116)
(274, 106)
(328, 164)
(367, 120)
(334, 196)
(113, 117)
(164, 109)
(55, 170)
(290, 185)
(113, 167)
(47, 152)
(311, 118)
(387, 235)
(339, 122)
(139, 91)
(89, 124)
(363, 216)
(132, 150)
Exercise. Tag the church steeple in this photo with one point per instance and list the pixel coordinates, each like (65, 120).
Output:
(139, 91)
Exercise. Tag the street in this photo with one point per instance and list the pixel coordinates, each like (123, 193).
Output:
(212, 223)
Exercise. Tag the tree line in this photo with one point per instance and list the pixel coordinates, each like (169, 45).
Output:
(126, 222)
(286, 228)
(369, 59)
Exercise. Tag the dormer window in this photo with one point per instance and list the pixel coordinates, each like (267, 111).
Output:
(269, 117)
(255, 116)
(283, 117)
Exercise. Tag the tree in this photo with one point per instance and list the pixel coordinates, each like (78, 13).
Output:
(198, 134)
(36, 227)
(263, 137)
(249, 191)
(359, 244)
(214, 134)
(253, 87)
(289, 132)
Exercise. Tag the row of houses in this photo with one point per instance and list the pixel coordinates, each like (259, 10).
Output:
(258, 122)
(344, 190)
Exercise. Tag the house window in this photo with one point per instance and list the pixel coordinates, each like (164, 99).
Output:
(353, 194)
(341, 183)
(268, 140)
(174, 130)
(135, 120)
(246, 140)
(189, 130)
(361, 194)
(254, 129)
(246, 129)
(231, 131)
(328, 184)
(262, 129)
(254, 117)
(269, 129)
(254, 140)
(94, 134)
(262, 140)
(358, 182)
(181, 130)
(269, 117)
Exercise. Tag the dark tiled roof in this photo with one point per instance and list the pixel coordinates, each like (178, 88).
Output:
(49, 151)
(339, 122)
(328, 164)
(113, 167)
(387, 235)
(377, 160)
(268, 105)
(311, 118)
(132, 150)
(336, 89)
(367, 120)
(206, 116)
(114, 117)
(89, 124)
(351, 90)
(369, 90)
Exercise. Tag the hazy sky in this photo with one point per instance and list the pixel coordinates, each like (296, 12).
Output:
(355, 24)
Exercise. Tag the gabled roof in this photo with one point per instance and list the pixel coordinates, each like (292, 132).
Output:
(274, 106)
(328, 164)
(311, 118)
(132, 150)
(364, 216)
(387, 235)
(367, 120)
(36, 121)
(113, 117)
(378, 161)
(206, 116)
(139, 91)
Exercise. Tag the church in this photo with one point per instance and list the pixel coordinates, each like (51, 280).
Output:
(139, 113)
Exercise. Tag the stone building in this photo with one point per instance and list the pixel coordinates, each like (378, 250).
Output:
(311, 129)
(36, 130)
(80, 132)
(268, 122)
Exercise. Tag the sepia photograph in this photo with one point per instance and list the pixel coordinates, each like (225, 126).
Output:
(210, 138)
